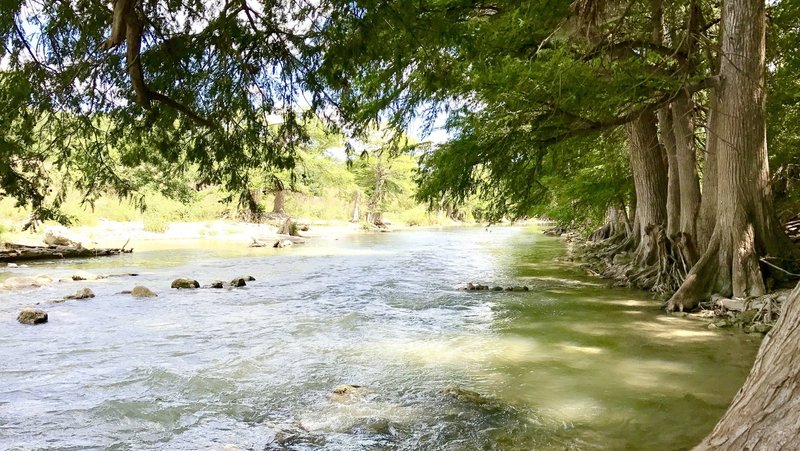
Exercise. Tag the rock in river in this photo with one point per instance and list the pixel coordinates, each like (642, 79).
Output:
(85, 275)
(32, 316)
(217, 284)
(348, 393)
(140, 291)
(185, 283)
(238, 282)
(83, 293)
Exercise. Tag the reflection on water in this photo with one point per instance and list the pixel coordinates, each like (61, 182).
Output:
(569, 365)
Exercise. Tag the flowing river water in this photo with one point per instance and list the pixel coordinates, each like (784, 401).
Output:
(571, 364)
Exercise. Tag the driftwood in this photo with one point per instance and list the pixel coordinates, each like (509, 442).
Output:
(18, 252)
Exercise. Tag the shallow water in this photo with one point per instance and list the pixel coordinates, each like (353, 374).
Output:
(571, 364)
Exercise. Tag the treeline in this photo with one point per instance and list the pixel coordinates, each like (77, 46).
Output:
(375, 187)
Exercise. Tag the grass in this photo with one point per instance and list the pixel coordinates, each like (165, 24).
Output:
(207, 205)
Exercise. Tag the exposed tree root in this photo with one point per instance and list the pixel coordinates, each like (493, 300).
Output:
(656, 262)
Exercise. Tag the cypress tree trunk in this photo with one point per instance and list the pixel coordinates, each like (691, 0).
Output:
(667, 136)
(278, 206)
(649, 167)
(765, 414)
(687, 163)
(745, 227)
(707, 215)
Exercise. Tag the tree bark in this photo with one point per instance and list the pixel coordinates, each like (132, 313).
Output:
(649, 167)
(682, 112)
(765, 414)
(745, 226)
(279, 204)
(707, 214)
(667, 135)
(355, 213)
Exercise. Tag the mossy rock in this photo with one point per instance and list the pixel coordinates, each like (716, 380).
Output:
(142, 292)
(83, 293)
(185, 283)
(31, 316)
(746, 318)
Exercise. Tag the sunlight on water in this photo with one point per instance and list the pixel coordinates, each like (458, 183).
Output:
(571, 364)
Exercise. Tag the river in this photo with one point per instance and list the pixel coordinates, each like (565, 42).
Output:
(571, 364)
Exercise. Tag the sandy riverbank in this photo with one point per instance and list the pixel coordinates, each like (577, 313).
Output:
(132, 234)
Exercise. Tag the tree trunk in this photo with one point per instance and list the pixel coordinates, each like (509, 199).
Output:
(707, 215)
(765, 414)
(667, 136)
(682, 113)
(355, 213)
(745, 227)
(279, 204)
(649, 167)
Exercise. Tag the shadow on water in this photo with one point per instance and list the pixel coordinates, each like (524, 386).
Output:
(571, 364)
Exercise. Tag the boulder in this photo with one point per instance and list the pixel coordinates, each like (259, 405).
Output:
(283, 243)
(185, 283)
(32, 316)
(83, 293)
(247, 278)
(519, 289)
(238, 282)
(497, 288)
(140, 291)
(217, 284)
(51, 239)
(731, 304)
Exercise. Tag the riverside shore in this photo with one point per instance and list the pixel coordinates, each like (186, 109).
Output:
(132, 234)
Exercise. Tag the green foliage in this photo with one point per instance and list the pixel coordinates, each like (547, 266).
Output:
(154, 222)
(783, 106)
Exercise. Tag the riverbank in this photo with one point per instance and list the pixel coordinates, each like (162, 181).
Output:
(132, 234)
(608, 258)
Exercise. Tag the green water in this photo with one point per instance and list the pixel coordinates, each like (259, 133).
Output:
(571, 364)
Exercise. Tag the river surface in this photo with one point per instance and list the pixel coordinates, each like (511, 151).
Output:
(569, 365)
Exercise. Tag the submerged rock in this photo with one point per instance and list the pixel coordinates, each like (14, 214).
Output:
(83, 293)
(238, 282)
(465, 395)
(185, 283)
(140, 291)
(497, 288)
(349, 392)
(217, 284)
(32, 316)
(347, 389)
(760, 328)
(14, 283)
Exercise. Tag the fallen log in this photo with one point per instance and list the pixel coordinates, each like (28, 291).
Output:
(19, 252)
